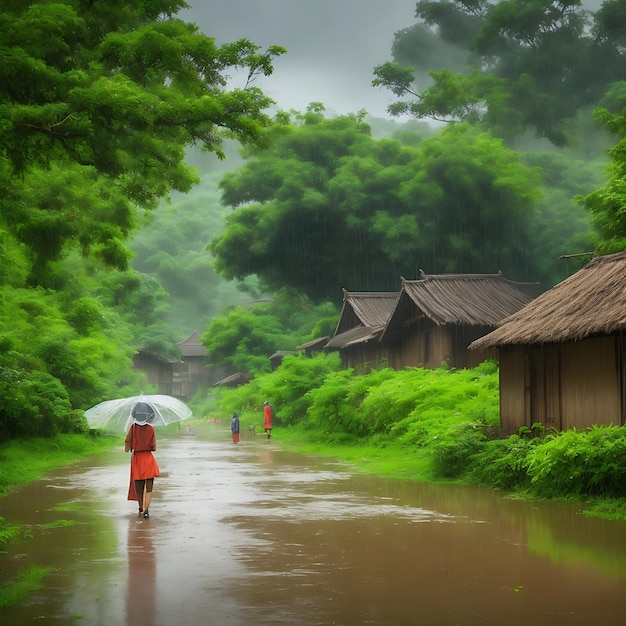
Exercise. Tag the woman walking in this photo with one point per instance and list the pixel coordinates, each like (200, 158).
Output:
(141, 441)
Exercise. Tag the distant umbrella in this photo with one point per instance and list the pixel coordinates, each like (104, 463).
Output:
(118, 415)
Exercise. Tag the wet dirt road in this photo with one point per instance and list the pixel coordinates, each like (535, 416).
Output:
(248, 534)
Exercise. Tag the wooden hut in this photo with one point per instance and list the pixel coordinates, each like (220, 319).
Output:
(562, 357)
(439, 315)
(158, 370)
(361, 322)
(190, 373)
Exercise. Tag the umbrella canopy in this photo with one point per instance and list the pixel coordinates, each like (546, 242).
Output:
(118, 415)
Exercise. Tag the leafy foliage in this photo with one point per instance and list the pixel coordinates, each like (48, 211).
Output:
(243, 337)
(455, 202)
(585, 463)
(448, 418)
(511, 65)
(607, 203)
(99, 102)
(56, 355)
(286, 388)
(331, 401)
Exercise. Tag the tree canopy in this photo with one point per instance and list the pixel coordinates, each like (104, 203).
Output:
(608, 203)
(512, 65)
(99, 100)
(328, 207)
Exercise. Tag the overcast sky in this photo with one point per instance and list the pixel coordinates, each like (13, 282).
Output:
(332, 46)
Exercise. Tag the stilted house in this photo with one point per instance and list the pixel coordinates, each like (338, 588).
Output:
(563, 356)
(438, 316)
(361, 322)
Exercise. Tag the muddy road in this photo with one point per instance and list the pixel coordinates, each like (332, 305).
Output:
(249, 534)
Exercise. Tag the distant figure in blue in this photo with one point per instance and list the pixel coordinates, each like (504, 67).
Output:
(234, 427)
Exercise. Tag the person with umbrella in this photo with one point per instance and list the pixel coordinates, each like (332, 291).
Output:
(141, 441)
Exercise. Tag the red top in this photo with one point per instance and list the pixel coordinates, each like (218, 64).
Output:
(140, 438)
(267, 416)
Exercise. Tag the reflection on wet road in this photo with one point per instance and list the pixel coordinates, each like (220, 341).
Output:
(248, 534)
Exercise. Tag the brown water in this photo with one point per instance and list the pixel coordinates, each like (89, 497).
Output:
(248, 534)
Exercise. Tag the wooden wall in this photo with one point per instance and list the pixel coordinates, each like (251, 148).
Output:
(561, 386)
(590, 383)
(513, 390)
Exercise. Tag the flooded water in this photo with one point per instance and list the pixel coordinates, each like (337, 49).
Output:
(248, 534)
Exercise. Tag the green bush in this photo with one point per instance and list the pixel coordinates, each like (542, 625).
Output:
(580, 463)
(286, 389)
(503, 463)
(454, 451)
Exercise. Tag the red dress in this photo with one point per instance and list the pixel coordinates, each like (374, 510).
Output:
(141, 439)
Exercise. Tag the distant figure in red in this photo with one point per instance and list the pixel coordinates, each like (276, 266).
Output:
(141, 441)
(234, 428)
(267, 419)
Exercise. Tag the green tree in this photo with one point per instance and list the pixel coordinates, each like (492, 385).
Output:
(244, 337)
(607, 203)
(527, 64)
(98, 102)
(327, 207)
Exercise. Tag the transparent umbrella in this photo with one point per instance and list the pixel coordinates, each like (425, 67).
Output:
(118, 415)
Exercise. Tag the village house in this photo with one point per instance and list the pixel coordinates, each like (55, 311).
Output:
(191, 371)
(437, 316)
(180, 377)
(562, 357)
(158, 370)
(362, 320)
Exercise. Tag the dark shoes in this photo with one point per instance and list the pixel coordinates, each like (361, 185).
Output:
(146, 514)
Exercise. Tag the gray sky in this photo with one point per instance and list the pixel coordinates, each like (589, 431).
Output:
(332, 45)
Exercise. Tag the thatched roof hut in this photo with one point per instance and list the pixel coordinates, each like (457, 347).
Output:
(590, 302)
(437, 316)
(362, 320)
(561, 356)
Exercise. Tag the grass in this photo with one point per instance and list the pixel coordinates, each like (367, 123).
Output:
(7, 531)
(27, 581)
(380, 457)
(25, 460)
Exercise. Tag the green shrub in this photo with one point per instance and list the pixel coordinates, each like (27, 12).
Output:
(589, 462)
(503, 463)
(454, 451)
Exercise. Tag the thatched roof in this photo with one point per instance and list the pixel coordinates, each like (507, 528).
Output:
(365, 309)
(461, 299)
(363, 317)
(315, 344)
(358, 334)
(590, 302)
(191, 346)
